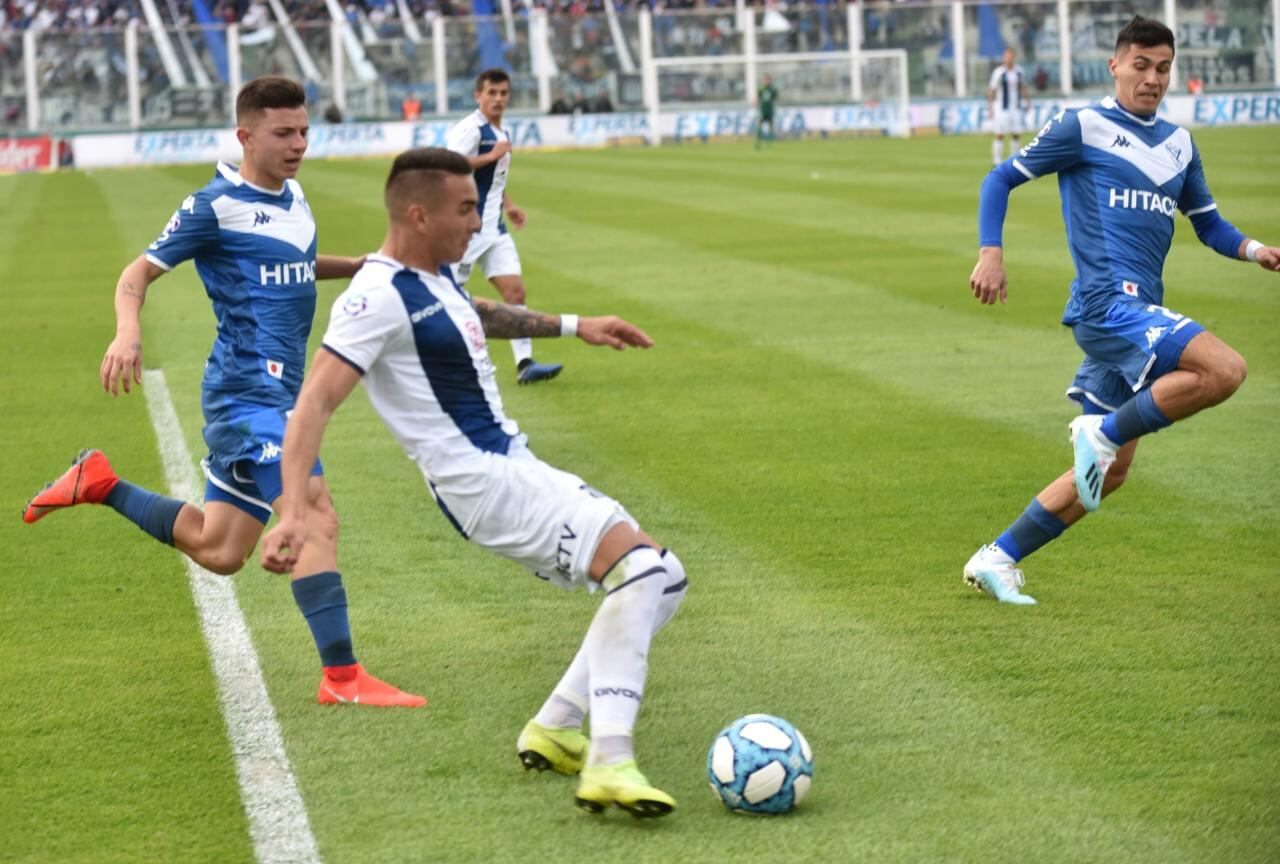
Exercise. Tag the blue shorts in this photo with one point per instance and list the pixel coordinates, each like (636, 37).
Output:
(245, 470)
(247, 485)
(1134, 344)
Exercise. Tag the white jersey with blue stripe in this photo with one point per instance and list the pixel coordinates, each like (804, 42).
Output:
(418, 342)
(1007, 85)
(473, 136)
(255, 251)
(1122, 178)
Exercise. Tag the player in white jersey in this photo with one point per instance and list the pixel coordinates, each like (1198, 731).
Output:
(1124, 173)
(480, 137)
(253, 240)
(1007, 95)
(419, 343)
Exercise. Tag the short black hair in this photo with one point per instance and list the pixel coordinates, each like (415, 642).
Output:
(492, 76)
(417, 174)
(1144, 31)
(269, 91)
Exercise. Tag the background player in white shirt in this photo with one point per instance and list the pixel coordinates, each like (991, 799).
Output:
(419, 343)
(480, 137)
(1007, 95)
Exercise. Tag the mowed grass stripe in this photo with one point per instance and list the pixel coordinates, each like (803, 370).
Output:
(103, 655)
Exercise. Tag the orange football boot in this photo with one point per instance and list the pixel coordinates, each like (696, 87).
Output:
(351, 685)
(87, 481)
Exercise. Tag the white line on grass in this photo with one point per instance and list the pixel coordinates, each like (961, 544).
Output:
(278, 821)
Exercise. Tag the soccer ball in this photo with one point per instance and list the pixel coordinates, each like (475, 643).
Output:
(760, 764)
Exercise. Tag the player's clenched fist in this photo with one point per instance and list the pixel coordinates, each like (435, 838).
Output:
(282, 544)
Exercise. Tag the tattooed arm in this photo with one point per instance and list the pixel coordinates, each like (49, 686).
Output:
(123, 360)
(501, 321)
(511, 322)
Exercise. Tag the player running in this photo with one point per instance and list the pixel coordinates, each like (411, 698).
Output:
(1007, 95)
(419, 342)
(253, 239)
(1122, 172)
(487, 146)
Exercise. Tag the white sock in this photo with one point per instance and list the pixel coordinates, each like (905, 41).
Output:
(568, 702)
(997, 151)
(617, 652)
(522, 348)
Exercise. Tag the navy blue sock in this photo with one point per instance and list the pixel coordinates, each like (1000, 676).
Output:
(1034, 528)
(1135, 418)
(323, 602)
(150, 511)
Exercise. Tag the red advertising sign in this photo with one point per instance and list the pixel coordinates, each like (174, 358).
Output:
(25, 154)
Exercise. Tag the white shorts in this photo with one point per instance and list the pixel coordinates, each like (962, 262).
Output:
(495, 253)
(546, 519)
(1006, 122)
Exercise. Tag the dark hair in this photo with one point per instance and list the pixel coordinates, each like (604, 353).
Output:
(492, 76)
(417, 174)
(1144, 31)
(270, 91)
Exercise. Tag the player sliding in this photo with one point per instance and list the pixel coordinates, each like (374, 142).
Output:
(253, 239)
(487, 146)
(418, 341)
(1123, 172)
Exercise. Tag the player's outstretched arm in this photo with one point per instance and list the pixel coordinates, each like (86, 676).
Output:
(501, 321)
(1267, 257)
(123, 361)
(329, 381)
(337, 266)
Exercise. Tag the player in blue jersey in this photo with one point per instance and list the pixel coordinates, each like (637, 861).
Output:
(419, 344)
(1123, 173)
(481, 138)
(253, 240)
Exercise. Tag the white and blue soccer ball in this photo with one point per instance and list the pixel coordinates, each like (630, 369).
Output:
(760, 764)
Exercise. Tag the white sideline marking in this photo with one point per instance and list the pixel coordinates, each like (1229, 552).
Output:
(278, 822)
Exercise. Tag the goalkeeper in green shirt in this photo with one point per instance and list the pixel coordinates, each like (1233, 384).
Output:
(766, 97)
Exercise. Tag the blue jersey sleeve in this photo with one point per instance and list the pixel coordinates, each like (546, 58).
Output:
(1195, 197)
(1197, 203)
(1057, 147)
(192, 229)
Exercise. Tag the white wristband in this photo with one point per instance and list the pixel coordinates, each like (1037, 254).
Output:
(1251, 250)
(568, 325)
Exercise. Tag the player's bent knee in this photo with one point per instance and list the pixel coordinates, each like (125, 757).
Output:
(225, 561)
(1230, 374)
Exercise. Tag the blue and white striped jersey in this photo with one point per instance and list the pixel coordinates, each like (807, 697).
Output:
(255, 251)
(420, 346)
(472, 136)
(1007, 84)
(1122, 178)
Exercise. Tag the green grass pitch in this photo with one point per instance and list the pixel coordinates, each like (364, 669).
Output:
(826, 430)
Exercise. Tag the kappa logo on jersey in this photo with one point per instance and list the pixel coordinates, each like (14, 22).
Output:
(1143, 199)
(426, 312)
(1130, 288)
(275, 368)
(1121, 141)
(287, 272)
(260, 218)
(355, 304)
(1153, 336)
(270, 451)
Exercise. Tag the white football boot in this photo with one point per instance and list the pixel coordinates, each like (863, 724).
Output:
(992, 571)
